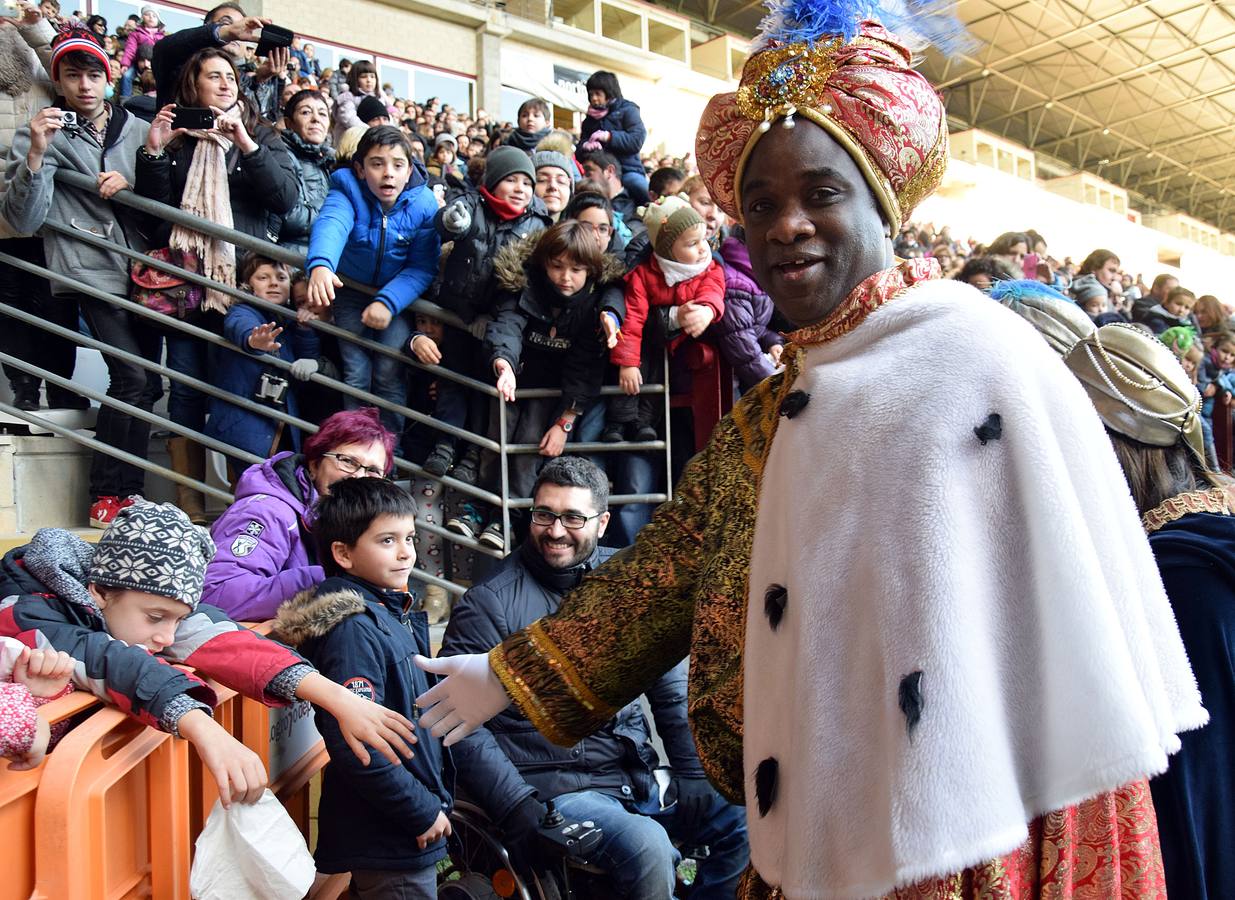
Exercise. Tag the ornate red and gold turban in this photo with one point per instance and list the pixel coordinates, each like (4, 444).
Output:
(864, 93)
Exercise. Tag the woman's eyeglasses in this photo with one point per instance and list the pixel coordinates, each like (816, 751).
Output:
(351, 466)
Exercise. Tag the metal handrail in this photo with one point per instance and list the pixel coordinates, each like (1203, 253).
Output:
(162, 211)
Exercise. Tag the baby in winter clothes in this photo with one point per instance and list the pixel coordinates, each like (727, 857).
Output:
(680, 274)
(29, 679)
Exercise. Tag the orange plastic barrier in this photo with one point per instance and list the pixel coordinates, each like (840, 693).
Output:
(115, 809)
(17, 807)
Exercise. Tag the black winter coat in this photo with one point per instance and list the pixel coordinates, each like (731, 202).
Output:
(313, 166)
(364, 638)
(468, 288)
(501, 765)
(626, 133)
(552, 341)
(263, 183)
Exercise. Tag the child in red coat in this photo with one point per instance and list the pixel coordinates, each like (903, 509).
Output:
(682, 275)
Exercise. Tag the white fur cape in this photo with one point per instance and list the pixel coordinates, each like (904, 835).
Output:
(1014, 576)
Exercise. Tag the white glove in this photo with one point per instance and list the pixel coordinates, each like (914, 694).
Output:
(469, 696)
(478, 327)
(457, 218)
(303, 369)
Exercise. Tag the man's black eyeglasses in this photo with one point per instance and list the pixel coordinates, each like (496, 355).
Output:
(574, 521)
(352, 466)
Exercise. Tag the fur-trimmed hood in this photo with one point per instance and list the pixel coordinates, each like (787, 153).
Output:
(510, 265)
(310, 614)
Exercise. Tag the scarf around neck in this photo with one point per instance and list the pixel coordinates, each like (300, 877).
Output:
(207, 194)
(676, 272)
(597, 112)
(501, 208)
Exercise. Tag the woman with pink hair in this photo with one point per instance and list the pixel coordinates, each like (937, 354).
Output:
(266, 552)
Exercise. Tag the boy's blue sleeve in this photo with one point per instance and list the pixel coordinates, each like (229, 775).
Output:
(239, 321)
(304, 341)
(419, 270)
(331, 231)
(353, 656)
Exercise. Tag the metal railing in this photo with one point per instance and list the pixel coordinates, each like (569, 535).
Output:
(501, 447)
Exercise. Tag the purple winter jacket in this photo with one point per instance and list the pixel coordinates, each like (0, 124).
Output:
(742, 334)
(262, 559)
(139, 37)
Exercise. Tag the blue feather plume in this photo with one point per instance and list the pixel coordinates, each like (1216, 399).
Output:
(1013, 289)
(918, 23)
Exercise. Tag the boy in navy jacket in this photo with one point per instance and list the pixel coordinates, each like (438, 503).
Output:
(385, 824)
(376, 227)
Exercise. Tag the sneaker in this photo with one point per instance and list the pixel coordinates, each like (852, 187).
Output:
(440, 460)
(492, 536)
(26, 396)
(612, 433)
(467, 469)
(103, 511)
(466, 523)
(131, 500)
(436, 603)
(646, 433)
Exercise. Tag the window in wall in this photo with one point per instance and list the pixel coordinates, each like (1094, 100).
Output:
(445, 87)
(512, 99)
(116, 11)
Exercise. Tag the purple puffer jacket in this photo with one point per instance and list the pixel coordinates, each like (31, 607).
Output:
(262, 559)
(742, 334)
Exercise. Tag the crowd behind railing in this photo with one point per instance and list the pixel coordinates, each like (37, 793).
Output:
(339, 283)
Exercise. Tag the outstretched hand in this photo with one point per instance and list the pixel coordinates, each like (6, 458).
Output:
(465, 699)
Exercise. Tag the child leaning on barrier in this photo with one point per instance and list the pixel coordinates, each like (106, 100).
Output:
(386, 824)
(28, 680)
(128, 611)
(247, 376)
(376, 228)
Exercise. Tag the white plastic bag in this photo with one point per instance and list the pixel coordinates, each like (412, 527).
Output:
(251, 852)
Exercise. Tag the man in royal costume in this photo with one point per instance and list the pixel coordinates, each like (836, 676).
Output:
(930, 650)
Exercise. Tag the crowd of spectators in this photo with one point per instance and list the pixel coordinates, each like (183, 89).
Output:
(574, 258)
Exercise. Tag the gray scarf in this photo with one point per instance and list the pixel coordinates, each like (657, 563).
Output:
(61, 560)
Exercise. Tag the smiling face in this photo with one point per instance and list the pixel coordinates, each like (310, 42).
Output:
(701, 202)
(563, 547)
(271, 283)
(598, 225)
(137, 617)
(311, 120)
(553, 187)
(516, 189)
(386, 171)
(383, 555)
(813, 227)
(216, 84)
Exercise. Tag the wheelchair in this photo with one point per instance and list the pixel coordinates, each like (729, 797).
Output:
(480, 868)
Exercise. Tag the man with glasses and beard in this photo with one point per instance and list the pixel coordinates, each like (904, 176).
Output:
(510, 769)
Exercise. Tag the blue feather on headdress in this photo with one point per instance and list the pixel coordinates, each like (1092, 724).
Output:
(918, 23)
(1014, 289)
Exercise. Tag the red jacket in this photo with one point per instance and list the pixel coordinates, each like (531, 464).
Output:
(646, 287)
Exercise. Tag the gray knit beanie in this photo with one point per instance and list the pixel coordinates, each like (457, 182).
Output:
(154, 548)
(504, 162)
(1086, 287)
(551, 159)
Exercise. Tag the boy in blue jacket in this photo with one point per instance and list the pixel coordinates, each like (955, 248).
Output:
(376, 228)
(386, 824)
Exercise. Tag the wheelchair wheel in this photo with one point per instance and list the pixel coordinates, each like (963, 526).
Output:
(479, 867)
